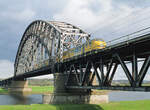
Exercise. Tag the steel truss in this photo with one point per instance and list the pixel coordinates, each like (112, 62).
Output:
(81, 74)
(46, 40)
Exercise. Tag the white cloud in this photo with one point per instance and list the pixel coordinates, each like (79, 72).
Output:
(78, 12)
(6, 69)
(109, 20)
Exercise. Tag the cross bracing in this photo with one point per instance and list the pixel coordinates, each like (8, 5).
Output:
(44, 42)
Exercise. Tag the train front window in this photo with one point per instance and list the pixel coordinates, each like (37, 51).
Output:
(99, 39)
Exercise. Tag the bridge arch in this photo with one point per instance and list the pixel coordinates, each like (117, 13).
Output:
(43, 42)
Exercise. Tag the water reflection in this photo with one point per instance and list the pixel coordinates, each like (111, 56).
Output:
(128, 96)
(26, 99)
(15, 99)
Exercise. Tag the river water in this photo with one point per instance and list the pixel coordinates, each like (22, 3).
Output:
(12, 99)
(37, 98)
(128, 96)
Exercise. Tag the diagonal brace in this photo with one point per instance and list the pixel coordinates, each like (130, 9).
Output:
(144, 70)
(126, 70)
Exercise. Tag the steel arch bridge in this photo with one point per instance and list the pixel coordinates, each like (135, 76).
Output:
(41, 49)
(43, 43)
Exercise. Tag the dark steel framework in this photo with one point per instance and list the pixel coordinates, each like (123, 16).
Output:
(83, 70)
(46, 40)
(103, 65)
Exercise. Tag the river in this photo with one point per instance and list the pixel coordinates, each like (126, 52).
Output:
(37, 98)
(128, 96)
(12, 99)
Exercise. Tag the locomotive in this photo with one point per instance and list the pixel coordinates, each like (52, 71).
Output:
(84, 48)
(88, 46)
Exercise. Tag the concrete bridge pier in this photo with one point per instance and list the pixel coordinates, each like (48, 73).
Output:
(20, 86)
(62, 95)
(60, 88)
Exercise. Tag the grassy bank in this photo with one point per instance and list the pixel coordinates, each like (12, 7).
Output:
(3, 91)
(124, 105)
(50, 89)
(35, 90)
(42, 89)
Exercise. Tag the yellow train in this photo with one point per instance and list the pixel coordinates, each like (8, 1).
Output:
(86, 47)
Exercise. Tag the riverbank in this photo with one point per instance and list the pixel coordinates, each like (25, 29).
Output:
(123, 105)
(35, 90)
(3, 91)
(42, 89)
(50, 89)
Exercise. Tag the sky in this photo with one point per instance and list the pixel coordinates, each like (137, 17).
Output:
(106, 19)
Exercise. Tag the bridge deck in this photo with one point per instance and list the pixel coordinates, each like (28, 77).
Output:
(41, 71)
(140, 45)
(123, 88)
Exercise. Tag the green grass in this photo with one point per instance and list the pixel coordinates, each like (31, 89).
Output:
(35, 90)
(127, 105)
(3, 91)
(146, 84)
(42, 89)
(123, 105)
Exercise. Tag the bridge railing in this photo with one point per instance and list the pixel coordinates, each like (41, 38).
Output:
(128, 37)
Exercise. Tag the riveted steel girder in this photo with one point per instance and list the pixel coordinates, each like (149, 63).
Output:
(46, 40)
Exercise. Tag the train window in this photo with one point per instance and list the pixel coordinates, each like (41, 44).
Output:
(99, 39)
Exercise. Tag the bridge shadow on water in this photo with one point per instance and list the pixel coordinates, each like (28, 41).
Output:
(79, 107)
(19, 98)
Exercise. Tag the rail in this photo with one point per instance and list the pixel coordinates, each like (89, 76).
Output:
(128, 37)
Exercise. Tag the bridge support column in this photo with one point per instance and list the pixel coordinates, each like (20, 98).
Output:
(60, 87)
(62, 95)
(19, 86)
